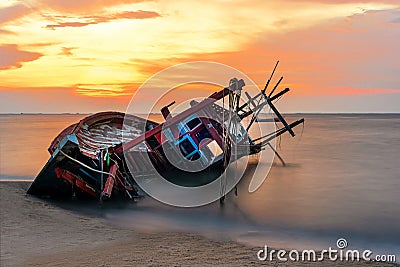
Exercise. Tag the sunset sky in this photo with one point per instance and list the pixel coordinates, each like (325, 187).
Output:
(91, 55)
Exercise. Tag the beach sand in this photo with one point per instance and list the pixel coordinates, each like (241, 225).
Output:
(37, 232)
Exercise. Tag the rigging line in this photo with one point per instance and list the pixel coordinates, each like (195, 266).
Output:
(101, 168)
(236, 136)
(267, 135)
(86, 166)
(263, 95)
(127, 177)
(302, 130)
(223, 138)
(279, 137)
(228, 140)
(298, 142)
(278, 99)
(264, 136)
(125, 181)
(280, 142)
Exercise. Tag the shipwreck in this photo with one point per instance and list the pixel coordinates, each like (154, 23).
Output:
(89, 159)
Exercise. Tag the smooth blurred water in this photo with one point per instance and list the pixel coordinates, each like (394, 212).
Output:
(342, 180)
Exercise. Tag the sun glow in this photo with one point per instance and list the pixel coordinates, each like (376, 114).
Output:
(124, 43)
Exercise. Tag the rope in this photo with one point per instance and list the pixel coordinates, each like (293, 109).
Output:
(297, 143)
(223, 178)
(302, 130)
(101, 164)
(279, 138)
(232, 128)
(86, 166)
(236, 100)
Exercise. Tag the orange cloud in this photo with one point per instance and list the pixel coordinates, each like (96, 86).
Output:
(11, 57)
(13, 12)
(103, 92)
(106, 90)
(359, 57)
(84, 6)
(2, 31)
(87, 20)
(324, 54)
(66, 51)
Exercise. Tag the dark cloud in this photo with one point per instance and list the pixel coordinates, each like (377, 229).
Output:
(140, 14)
(11, 57)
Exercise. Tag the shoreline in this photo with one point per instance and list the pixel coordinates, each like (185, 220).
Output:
(37, 232)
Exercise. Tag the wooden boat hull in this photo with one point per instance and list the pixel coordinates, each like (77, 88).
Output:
(101, 155)
(85, 142)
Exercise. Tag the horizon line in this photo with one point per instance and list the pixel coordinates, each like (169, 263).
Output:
(287, 113)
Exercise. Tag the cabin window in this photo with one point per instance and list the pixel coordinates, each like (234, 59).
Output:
(202, 134)
(193, 123)
(186, 147)
(189, 124)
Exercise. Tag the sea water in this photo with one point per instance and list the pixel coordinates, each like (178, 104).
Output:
(342, 180)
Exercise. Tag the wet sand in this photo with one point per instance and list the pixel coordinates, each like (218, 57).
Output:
(37, 232)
